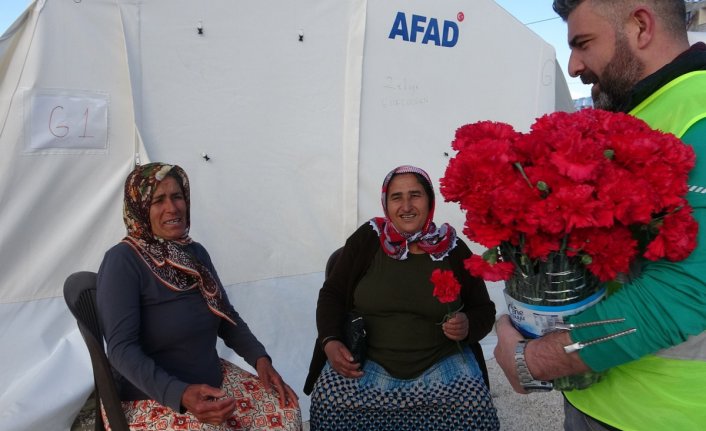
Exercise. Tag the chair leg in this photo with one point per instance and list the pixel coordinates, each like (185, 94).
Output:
(100, 426)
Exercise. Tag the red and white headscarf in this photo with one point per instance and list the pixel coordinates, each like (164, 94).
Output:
(437, 242)
(176, 268)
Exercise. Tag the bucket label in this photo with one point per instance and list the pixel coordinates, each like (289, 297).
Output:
(533, 321)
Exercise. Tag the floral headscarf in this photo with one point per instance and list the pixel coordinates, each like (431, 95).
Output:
(436, 242)
(167, 259)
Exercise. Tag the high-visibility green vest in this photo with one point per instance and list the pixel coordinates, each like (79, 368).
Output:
(676, 106)
(666, 390)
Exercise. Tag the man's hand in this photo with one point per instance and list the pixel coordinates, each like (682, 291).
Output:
(208, 404)
(508, 337)
(545, 356)
(341, 359)
(272, 381)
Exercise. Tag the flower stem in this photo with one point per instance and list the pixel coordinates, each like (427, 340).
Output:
(448, 316)
(524, 175)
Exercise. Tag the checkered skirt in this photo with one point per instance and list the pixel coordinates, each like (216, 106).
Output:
(451, 395)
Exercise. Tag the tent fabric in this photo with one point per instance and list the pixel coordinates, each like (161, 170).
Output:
(415, 95)
(285, 115)
(58, 202)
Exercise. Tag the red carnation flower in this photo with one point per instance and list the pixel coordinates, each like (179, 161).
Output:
(446, 287)
(479, 267)
(676, 238)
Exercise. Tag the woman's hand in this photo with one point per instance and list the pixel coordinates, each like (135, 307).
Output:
(272, 381)
(341, 359)
(456, 328)
(208, 404)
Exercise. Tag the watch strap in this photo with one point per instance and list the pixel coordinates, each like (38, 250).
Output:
(529, 383)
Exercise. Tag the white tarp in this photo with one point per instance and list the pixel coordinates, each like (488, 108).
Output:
(301, 108)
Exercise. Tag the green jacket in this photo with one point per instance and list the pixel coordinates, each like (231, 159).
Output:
(656, 377)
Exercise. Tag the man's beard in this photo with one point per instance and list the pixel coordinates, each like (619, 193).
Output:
(621, 73)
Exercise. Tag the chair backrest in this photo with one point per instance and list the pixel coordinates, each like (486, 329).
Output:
(332, 261)
(80, 296)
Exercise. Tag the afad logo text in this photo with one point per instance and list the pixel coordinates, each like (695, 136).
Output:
(425, 30)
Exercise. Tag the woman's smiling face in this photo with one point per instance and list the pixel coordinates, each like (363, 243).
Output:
(407, 203)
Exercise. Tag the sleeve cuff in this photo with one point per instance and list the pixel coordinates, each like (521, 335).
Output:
(173, 394)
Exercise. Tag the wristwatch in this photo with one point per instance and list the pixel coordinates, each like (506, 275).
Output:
(529, 383)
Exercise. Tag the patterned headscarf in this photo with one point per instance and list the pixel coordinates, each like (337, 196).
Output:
(167, 259)
(436, 242)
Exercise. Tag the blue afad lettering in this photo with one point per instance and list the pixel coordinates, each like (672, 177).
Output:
(429, 31)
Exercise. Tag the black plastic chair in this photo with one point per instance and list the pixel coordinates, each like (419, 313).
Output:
(80, 296)
(332, 261)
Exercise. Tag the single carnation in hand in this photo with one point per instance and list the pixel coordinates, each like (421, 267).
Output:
(446, 287)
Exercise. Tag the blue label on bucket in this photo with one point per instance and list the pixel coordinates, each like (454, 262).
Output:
(536, 320)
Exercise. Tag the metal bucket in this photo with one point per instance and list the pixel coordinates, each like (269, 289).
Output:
(536, 320)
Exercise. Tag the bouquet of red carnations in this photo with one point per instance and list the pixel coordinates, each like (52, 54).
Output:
(600, 187)
(575, 202)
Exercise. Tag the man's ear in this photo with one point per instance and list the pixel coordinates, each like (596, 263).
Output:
(642, 23)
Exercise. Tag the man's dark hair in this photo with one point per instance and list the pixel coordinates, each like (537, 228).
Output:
(671, 12)
(563, 8)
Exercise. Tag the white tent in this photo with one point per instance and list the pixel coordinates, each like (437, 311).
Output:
(300, 107)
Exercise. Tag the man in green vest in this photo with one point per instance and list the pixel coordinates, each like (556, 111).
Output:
(637, 56)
